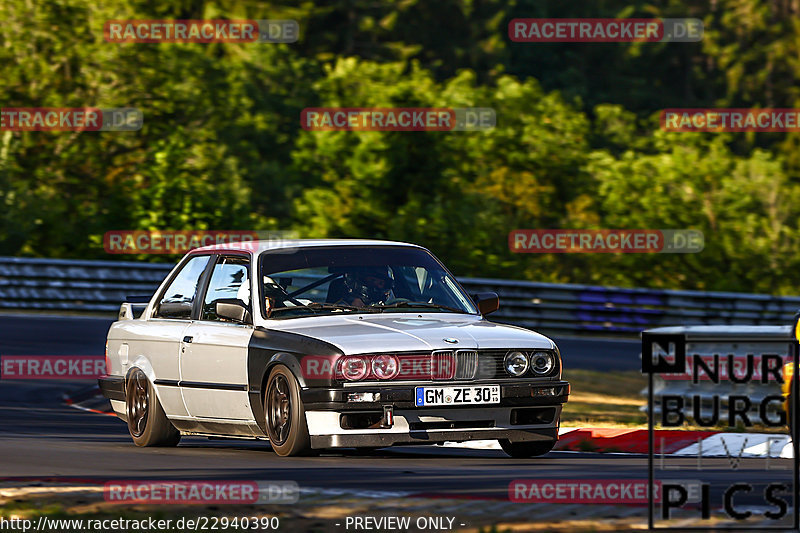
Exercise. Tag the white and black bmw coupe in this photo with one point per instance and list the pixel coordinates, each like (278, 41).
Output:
(316, 344)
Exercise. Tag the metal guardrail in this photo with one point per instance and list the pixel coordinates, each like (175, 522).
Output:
(594, 309)
(100, 287)
(74, 285)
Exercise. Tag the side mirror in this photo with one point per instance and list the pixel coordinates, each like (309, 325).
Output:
(487, 302)
(232, 309)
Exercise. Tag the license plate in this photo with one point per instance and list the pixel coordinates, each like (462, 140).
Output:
(474, 395)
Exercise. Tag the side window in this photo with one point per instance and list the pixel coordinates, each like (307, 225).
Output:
(177, 300)
(230, 283)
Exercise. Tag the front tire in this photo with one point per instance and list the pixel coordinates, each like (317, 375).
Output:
(525, 450)
(287, 428)
(147, 423)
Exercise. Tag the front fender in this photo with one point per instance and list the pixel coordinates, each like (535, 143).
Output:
(269, 348)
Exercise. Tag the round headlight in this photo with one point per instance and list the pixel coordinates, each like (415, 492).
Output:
(354, 368)
(542, 363)
(385, 366)
(516, 363)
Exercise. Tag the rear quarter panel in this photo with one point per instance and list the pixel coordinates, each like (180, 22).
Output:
(152, 346)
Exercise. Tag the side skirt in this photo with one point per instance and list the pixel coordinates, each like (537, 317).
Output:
(218, 428)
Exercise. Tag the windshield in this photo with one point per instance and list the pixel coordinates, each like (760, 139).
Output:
(357, 279)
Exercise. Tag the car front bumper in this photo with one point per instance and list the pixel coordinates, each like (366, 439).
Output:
(437, 425)
(402, 396)
(526, 412)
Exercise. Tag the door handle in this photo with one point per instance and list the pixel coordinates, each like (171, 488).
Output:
(188, 339)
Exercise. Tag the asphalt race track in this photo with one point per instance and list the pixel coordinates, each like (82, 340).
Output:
(41, 437)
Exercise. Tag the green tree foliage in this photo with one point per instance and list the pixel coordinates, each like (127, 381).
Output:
(577, 142)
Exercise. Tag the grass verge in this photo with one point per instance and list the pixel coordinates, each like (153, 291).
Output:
(605, 399)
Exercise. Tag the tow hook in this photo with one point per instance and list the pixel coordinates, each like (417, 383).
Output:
(388, 416)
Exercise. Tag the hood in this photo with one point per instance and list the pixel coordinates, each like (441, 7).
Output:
(410, 332)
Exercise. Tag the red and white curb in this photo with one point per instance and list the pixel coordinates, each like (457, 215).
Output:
(668, 442)
(742, 445)
(607, 440)
(90, 400)
(677, 442)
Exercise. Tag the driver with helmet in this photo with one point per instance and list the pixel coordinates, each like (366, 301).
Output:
(367, 286)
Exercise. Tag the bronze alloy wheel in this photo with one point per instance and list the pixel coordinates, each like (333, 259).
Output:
(286, 423)
(147, 422)
(138, 403)
(279, 409)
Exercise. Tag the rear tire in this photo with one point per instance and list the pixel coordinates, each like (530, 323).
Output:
(525, 450)
(286, 423)
(147, 423)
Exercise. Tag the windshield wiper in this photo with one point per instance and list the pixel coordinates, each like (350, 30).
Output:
(325, 307)
(418, 305)
(319, 305)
